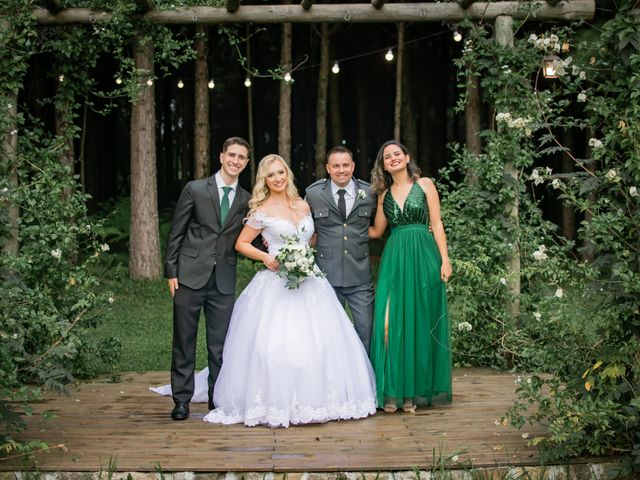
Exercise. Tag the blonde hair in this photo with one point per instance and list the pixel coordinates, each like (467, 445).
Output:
(261, 191)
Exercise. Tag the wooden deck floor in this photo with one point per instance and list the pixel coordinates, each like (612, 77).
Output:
(131, 425)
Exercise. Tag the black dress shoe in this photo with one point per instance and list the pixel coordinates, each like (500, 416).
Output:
(180, 411)
(211, 405)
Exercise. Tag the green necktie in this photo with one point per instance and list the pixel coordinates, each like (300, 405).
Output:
(224, 205)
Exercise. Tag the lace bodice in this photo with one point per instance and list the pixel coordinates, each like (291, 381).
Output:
(273, 229)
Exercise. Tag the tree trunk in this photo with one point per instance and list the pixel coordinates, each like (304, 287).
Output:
(472, 121)
(397, 115)
(202, 132)
(10, 148)
(334, 110)
(252, 159)
(64, 127)
(144, 252)
(566, 166)
(504, 37)
(409, 123)
(284, 116)
(362, 156)
(321, 108)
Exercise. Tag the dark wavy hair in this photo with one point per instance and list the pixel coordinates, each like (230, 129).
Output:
(381, 179)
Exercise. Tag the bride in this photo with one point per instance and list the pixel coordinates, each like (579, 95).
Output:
(290, 356)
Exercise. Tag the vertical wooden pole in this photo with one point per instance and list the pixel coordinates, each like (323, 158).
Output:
(321, 105)
(504, 37)
(284, 117)
(144, 251)
(202, 131)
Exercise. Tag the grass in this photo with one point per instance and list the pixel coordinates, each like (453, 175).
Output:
(141, 317)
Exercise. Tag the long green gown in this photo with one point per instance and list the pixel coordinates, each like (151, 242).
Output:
(415, 362)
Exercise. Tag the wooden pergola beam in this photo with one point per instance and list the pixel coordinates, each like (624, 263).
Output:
(53, 6)
(346, 13)
(377, 3)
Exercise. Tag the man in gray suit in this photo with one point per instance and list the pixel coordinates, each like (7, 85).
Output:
(342, 208)
(200, 267)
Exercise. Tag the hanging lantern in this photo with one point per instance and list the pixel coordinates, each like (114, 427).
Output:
(549, 66)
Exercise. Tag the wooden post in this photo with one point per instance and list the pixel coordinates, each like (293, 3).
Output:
(504, 37)
(284, 116)
(321, 105)
(202, 131)
(144, 251)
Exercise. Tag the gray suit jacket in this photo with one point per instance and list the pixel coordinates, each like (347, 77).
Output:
(197, 241)
(343, 244)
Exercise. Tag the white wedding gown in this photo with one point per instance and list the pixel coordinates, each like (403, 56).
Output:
(290, 356)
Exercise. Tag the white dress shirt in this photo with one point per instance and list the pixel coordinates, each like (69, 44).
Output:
(349, 196)
(220, 183)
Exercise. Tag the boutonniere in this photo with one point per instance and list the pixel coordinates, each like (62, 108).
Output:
(362, 194)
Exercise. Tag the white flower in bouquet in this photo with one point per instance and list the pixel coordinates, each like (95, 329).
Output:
(296, 261)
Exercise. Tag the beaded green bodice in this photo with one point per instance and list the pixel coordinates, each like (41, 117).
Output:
(414, 211)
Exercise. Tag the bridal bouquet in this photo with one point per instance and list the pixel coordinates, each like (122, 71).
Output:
(296, 262)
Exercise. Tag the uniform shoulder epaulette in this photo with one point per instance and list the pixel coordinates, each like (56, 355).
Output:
(316, 183)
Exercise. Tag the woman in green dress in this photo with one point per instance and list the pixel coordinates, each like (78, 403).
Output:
(410, 346)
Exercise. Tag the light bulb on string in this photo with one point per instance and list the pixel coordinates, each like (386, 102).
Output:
(389, 55)
(149, 82)
(61, 78)
(336, 68)
(457, 36)
(288, 77)
(118, 81)
(180, 84)
(247, 82)
(211, 84)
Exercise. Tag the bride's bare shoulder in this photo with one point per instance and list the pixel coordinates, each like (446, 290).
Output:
(302, 205)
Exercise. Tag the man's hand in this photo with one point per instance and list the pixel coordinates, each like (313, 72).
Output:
(173, 286)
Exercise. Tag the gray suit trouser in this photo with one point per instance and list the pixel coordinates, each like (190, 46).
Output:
(187, 305)
(360, 300)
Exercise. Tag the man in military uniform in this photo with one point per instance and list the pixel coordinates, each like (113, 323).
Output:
(342, 208)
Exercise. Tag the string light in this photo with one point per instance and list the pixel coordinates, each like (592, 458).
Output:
(149, 82)
(389, 55)
(288, 77)
(211, 84)
(457, 36)
(61, 78)
(118, 81)
(180, 84)
(336, 68)
(247, 82)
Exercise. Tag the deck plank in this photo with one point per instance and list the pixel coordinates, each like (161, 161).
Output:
(125, 423)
